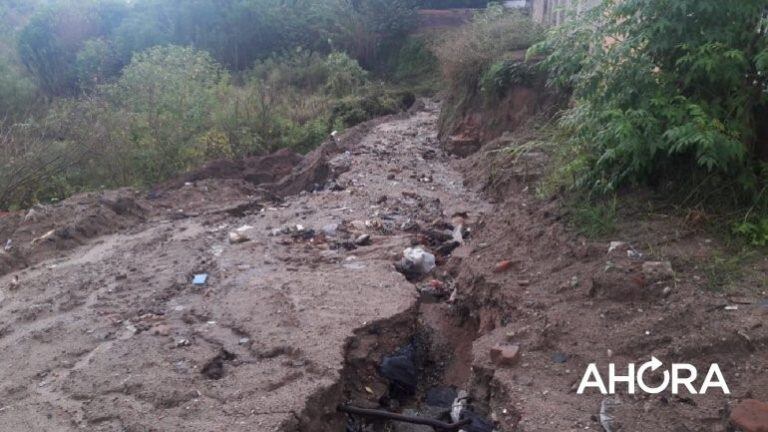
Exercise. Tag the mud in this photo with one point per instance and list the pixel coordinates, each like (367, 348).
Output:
(101, 328)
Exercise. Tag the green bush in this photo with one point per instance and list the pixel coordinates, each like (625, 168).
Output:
(665, 89)
(502, 75)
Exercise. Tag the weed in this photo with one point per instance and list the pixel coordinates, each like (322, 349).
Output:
(594, 219)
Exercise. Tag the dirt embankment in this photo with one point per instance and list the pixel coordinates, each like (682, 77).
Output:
(565, 302)
(470, 117)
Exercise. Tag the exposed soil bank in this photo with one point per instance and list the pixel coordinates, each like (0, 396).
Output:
(567, 302)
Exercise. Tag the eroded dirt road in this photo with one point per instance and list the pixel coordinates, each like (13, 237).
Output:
(107, 332)
(102, 329)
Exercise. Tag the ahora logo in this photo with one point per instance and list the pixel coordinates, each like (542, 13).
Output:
(681, 376)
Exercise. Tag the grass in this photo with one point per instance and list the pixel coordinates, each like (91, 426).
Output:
(593, 219)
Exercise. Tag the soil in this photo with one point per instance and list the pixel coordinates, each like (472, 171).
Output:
(102, 329)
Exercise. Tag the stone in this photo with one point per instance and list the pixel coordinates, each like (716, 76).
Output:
(657, 270)
(160, 330)
(502, 266)
(750, 416)
(505, 355)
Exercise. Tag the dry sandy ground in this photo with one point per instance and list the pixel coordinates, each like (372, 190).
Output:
(107, 333)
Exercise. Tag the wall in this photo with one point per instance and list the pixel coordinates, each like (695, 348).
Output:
(555, 12)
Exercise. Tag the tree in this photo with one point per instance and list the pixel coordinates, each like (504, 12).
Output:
(168, 93)
(48, 45)
(663, 87)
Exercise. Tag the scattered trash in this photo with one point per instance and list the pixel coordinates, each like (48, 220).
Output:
(574, 281)
(433, 291)
(355, 426)
(183, 342)
(615, 245)
(731, 308)
(460, 411)
(14, 283)
(44, 237)
(440, 396)
(8, 245)
(666, 291)
(239, 236)
(302, 233)
(607, 421)
(363, 240)
(200, 279)
(448, 247)
(559, 357)
(416, 262)
(236, 237)
(243, 341)
(400, 369)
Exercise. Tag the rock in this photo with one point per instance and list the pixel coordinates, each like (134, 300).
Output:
(461, 145)
(160, 330)
(622, 284)
(655, 271)
(503, 266)
(750, 416)
(559, 357)
(505, 355)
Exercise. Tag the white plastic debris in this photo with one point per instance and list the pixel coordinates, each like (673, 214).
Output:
(419, 260)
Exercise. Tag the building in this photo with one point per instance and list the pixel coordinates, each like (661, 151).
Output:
(555, 12)
(516, 4)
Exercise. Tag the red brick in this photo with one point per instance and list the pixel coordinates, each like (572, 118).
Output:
(750, 416)
(505, 355)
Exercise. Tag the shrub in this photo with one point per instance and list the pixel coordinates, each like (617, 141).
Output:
(665, 90)
(493, 35)
(502, 75)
